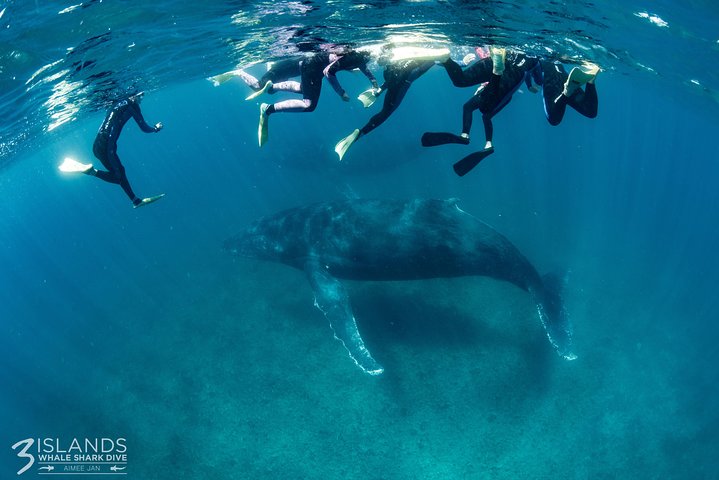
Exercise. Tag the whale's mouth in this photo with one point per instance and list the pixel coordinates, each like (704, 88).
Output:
(234, 245)
(249, 245)
(229, 246)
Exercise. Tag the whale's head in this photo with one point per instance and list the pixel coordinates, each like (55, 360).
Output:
(263, 240)
(252, 243)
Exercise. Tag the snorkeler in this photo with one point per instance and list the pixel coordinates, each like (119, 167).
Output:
(399, 73)
(105, 148)
(476, 72)
(312, 71)
(509, 70)
(560, 89)
(490, 66)
(279, 71)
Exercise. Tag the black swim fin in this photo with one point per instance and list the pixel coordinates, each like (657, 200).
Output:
(432, 139)
(464, 166)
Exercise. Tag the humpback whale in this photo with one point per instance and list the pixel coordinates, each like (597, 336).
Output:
(394, 240)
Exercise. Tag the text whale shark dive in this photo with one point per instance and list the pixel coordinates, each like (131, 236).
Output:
(394, 240)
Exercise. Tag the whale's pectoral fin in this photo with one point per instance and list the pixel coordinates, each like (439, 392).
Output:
(554, 316)
(331, 297)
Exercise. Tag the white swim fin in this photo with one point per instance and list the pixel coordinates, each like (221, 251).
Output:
(579, 76)
(263, 133)
(368, 97)
(148, 200)
(344, 144)
(498, 56)
(419, 53)
(218, 80)
(70, 165)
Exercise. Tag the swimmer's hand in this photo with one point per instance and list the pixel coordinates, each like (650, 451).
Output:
(158, 126)
(345, 97)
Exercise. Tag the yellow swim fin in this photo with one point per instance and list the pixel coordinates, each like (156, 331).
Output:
(259, 92)
(218, 80)
(344, 144)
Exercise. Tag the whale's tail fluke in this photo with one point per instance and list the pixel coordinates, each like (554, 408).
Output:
(554, 317)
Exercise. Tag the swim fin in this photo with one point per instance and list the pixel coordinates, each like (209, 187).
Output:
(263, 127)
(344, 144)
(148, 200)
(578, 76)
(368, 97)
(432, 139)
(259, 92)
(419, 53)
(498, 56)
(70, 165)
(464, 166)
(218, 80)
(469, 58)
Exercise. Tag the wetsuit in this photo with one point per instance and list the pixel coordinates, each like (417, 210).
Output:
(555, 103)
(478, 72)
(278, 72)
(397, 79)
(105, 146)
(498, 92)
(349, 61)
(312, 71)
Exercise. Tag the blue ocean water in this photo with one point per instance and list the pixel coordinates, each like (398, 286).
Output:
(122, 323)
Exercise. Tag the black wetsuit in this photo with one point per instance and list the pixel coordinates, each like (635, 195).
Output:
(478, 72)
(312, 71)
(498, 92)
(584, 101)
(347, 62)
(311, 75)
(280, 71)
(105, 146)
(397, 79)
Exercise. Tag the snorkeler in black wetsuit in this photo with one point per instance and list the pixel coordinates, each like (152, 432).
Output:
(487, 69)
(397, 80)
(398, 77)
(475, 74)
(498, 92)
(312, 71)
(105, 147)
(558, 92)
(509, 70)
(349, 61)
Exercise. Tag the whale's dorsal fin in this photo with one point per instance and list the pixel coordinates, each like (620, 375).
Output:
(332, 299)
